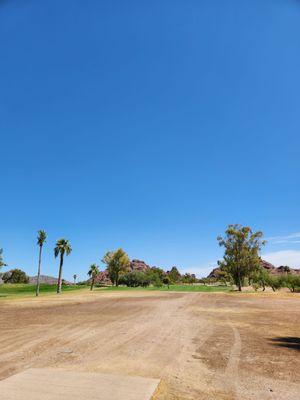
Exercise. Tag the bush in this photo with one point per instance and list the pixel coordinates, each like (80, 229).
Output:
(15, 276)
(275, 282)
(135, 279)
(291, 281)
(260, 278)
(157, 282)
(188, 278)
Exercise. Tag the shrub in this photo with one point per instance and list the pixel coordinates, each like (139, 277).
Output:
(291, 281)
(188, 278)
(275, 282)
(134, 279)
(174, 275)
(157, 282)
(260, 279)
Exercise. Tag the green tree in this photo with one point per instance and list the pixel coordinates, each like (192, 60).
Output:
(292, 282)
(41, 239)
(241, 257)
(117, 262)
(74, 277)
(223, 277)
(159, 272)
(261, 277)
(174, 275)
(62, 248)
(15, 276)
(155, 275)
(93, 272)
(274, 282)
(135, 279)
(167, 281)
(2, 263)
(189, 278)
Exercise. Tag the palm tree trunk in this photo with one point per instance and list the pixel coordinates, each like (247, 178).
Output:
(92, 284)
(59, 282)
(37, 290)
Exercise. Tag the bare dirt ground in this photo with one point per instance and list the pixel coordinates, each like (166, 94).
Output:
(201, 346)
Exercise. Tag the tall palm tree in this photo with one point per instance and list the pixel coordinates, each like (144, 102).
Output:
(41, 239)
(74, 277)
(93, 272)
(62, 247)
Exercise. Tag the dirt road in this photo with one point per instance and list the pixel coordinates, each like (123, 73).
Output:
(202, 346)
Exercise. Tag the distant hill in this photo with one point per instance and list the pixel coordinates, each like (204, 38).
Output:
(49, 280)
(265, 264)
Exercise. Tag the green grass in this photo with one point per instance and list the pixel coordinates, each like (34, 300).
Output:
(173, 288)
(16, 290)
(9, 291)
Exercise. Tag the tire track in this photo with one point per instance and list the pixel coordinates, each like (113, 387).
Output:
(231, 376)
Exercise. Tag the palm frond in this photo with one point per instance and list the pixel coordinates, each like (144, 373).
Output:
(41, 239)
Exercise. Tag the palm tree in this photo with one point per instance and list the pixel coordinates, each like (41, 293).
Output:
(74, 277)
(41, 239)
(93, 272)
(62, 247)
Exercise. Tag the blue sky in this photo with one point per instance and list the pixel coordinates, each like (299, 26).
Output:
(149, 126)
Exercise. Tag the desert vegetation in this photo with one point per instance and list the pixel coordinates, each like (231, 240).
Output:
(15, 276)
(61, 249)
(240, 266)
(40, 241)
(93, 272)
(206, 336)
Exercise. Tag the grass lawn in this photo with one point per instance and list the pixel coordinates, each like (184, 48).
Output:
(172, 288)
(15, 290)
(23, 290)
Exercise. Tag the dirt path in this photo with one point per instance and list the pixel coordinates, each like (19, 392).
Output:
(201, 346)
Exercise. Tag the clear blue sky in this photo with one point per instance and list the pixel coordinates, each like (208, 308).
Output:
(148, 125)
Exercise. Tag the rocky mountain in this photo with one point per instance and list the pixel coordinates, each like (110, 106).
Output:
(278, 270)
(103, 278)
(138, 265)
(135, 265)
(265, 264)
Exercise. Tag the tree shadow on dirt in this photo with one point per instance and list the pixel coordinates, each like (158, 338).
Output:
(287, 341)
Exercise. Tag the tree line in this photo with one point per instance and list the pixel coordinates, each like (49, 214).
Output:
(241, 265)
(119, 271)
(117, 265)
